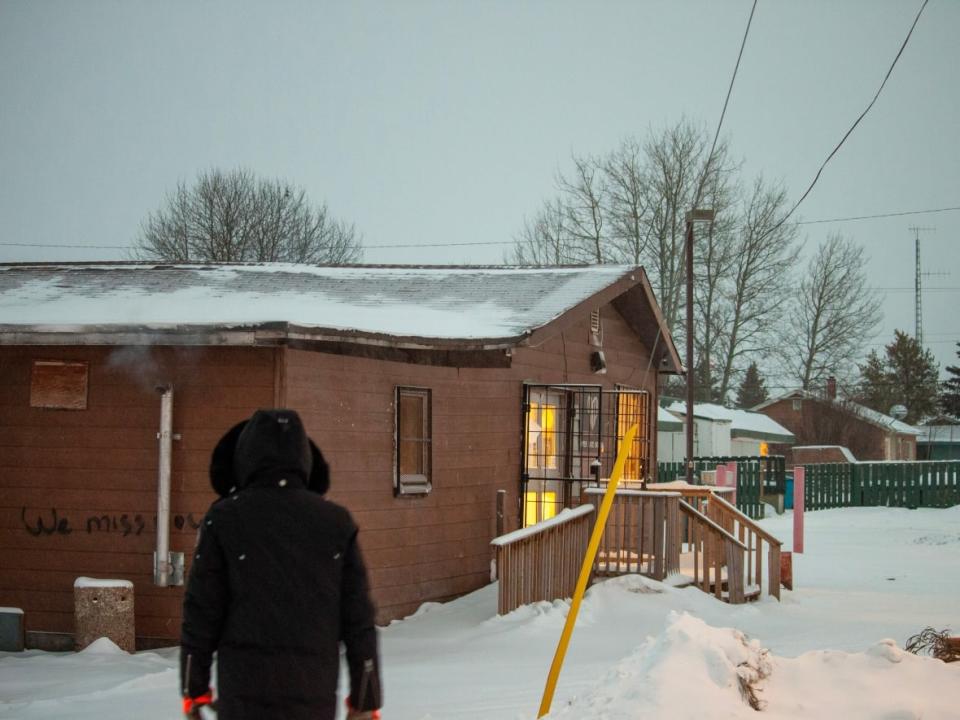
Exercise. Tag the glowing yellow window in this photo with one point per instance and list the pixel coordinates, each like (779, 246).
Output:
(539, 506)
(542, 436)
(632, 410)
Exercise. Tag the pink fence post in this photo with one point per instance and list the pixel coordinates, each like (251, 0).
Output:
(798, 474)
(721, 476)
(732, 481)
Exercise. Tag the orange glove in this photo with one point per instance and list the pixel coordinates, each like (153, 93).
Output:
(191, 706)
(361, 714)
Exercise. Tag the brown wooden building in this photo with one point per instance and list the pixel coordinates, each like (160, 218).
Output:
(428, 389)
(822, 422)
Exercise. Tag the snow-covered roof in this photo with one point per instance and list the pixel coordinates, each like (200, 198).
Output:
(839, 448)
(872, 416)
(743, 423)
(490, 306)
(706, 411)
(667, 421)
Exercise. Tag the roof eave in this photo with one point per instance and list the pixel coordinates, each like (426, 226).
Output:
(271, 333)
(765, 436)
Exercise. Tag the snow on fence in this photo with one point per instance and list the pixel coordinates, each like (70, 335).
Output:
(885, 484)
(542, 561)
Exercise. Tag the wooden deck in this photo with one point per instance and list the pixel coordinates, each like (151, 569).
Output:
(684, 536)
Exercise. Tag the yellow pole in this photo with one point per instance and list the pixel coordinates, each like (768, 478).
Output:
(581, 588)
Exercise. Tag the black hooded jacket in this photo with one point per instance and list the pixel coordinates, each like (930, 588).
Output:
(277, 582)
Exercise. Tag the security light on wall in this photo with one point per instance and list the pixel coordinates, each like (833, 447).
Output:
(598, 363)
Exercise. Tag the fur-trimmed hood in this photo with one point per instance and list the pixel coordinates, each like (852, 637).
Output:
(270, 442)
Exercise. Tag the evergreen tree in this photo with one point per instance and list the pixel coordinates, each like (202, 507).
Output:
(706, 390)
(906, 375)
(950, 395)
(877, 390)
(753, 389)
(676, 387)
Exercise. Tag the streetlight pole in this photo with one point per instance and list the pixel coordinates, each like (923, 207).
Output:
(693, 216)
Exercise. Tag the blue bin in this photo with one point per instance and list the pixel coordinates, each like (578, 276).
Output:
(788, 500)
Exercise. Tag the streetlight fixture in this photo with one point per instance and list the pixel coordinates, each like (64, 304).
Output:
(693, 216)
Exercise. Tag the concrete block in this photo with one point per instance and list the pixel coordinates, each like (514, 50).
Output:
(103, 608)
(11, 629)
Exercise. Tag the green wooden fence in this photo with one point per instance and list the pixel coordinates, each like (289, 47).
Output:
(885, 484)
(752, 472)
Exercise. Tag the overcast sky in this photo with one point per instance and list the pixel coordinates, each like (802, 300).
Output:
(445, 122)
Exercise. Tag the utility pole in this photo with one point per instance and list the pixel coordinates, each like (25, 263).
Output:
(693, 216)
(917, 284)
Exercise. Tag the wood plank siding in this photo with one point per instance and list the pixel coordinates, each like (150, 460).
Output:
(78, 487)
(417, 547)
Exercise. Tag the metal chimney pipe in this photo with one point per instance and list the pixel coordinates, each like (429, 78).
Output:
(161, 559)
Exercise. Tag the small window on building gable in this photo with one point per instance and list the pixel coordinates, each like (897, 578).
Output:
(413, 433)
(797, 404)
(59, 385)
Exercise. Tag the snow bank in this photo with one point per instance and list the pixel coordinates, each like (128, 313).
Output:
(103, 646)
(691, 670)
(695, 671)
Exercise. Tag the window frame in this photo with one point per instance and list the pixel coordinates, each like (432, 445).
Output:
(639, 457)
(413, 485)
(553, 404)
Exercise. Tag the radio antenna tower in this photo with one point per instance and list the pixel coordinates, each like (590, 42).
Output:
(917, 284)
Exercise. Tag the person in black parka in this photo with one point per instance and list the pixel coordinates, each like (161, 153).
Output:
(276, 584)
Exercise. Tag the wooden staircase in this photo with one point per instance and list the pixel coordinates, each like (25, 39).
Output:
(685, 537)
(704, 541)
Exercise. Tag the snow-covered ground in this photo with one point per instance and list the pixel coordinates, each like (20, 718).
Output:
(869, 578)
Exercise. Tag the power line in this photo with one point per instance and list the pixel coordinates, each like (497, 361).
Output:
(851, 218)
(856, 122)
(878, 215)
(723, 112)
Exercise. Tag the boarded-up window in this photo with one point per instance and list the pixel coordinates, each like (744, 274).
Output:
(59, 385)
(413, 444)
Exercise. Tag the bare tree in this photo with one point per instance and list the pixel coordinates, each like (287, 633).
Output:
(835, 312)
(236, 217)
(714, 257)
(757, 293)
(544, 240)
(583, 195)
(627, 203)
(630, 206)
(675, 160)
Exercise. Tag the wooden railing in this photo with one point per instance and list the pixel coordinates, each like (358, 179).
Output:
(718, 557)
(642, 534)
(710, 502)
(542, 562)
(645, 533)
(752, 536)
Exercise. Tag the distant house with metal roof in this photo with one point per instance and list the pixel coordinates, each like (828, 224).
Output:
(428, 389)
(823, 419)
